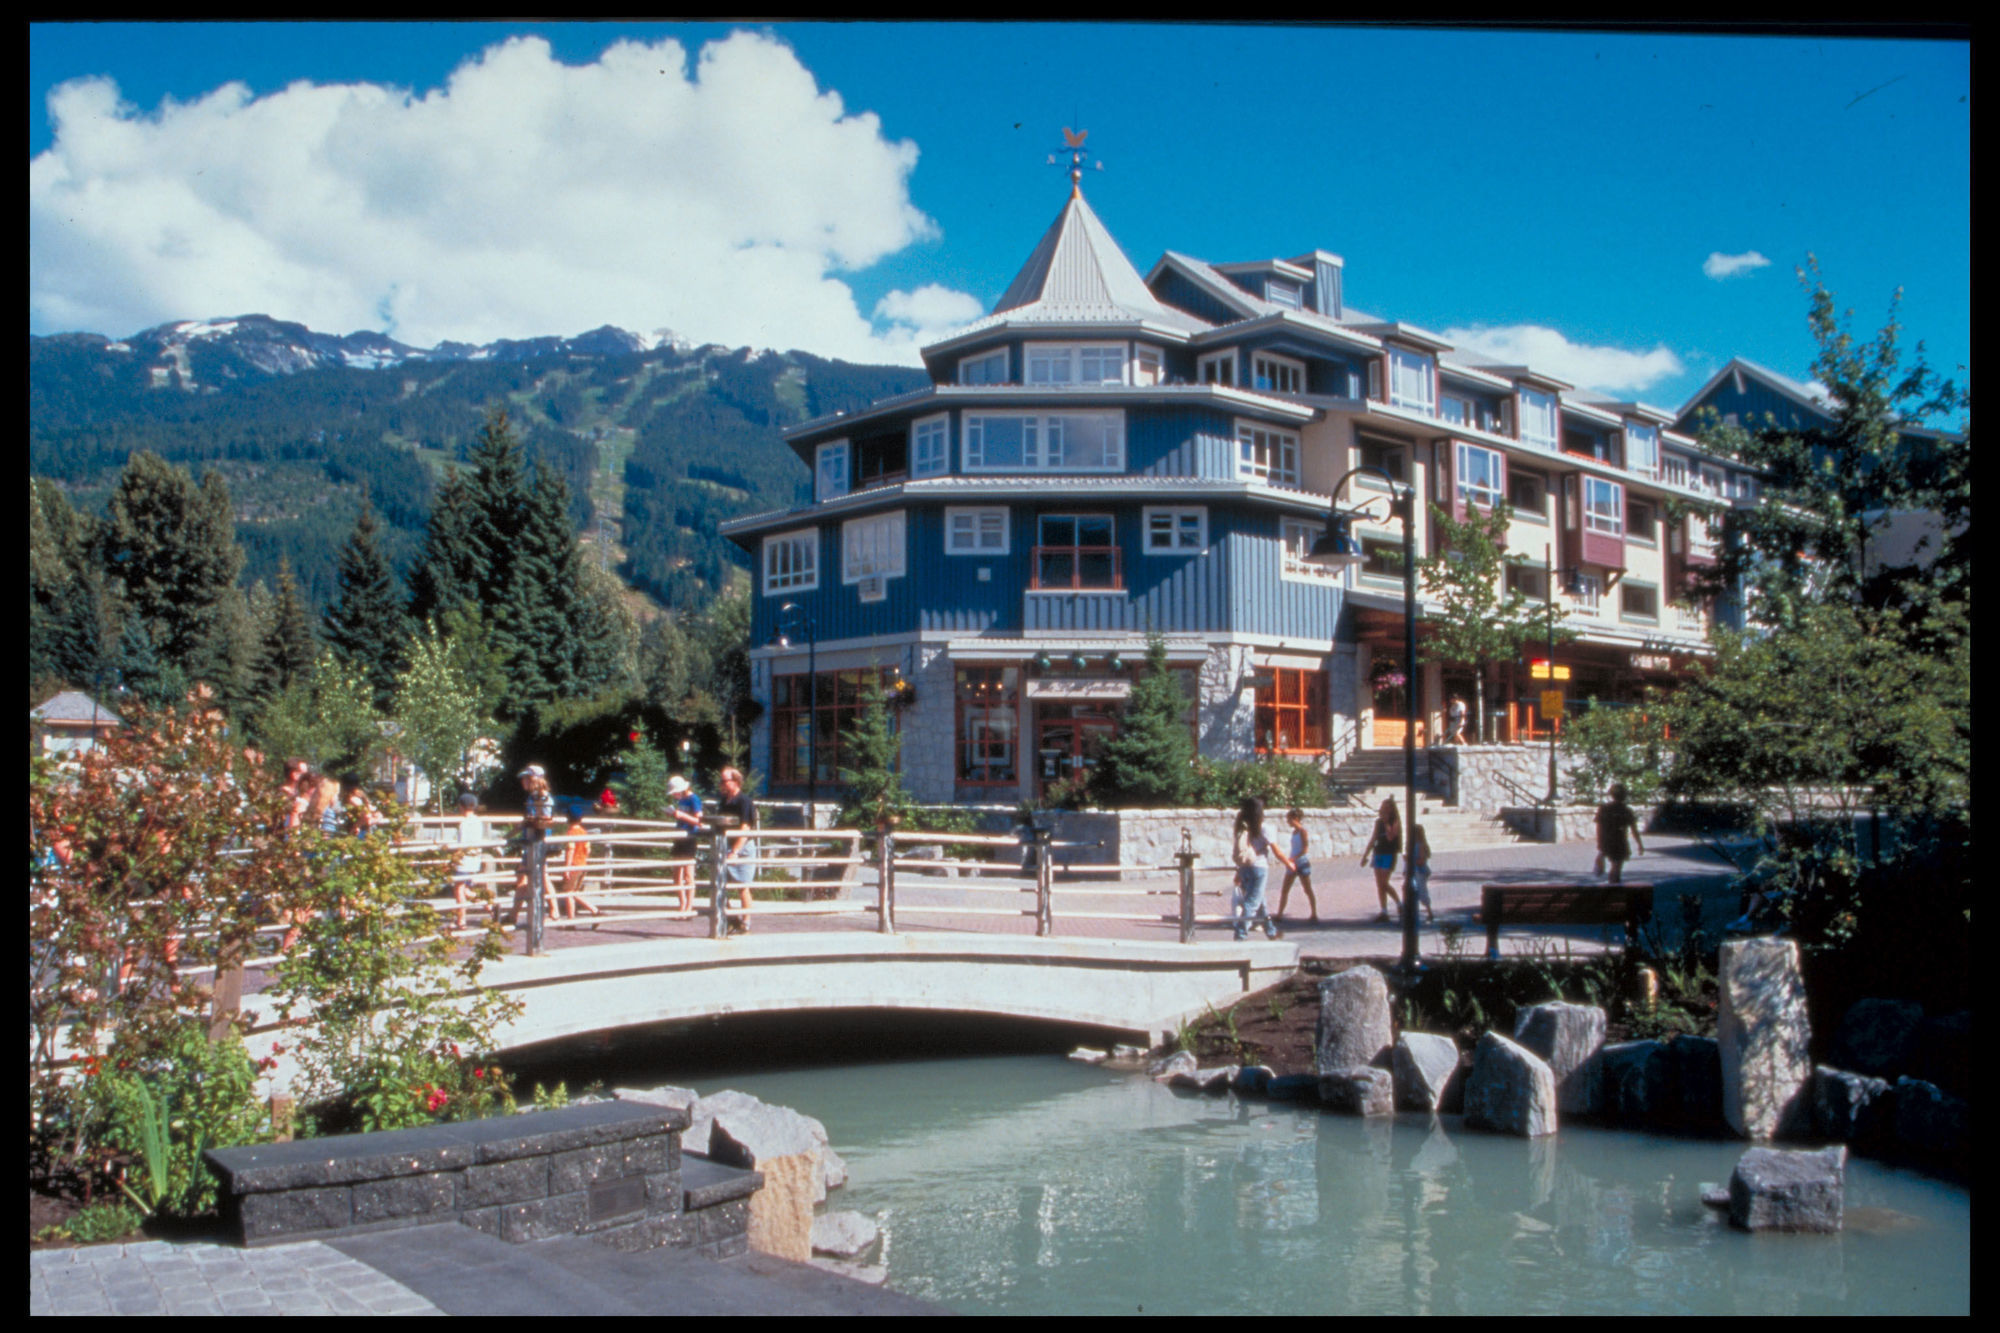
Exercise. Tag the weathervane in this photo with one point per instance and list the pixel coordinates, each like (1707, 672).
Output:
(1073, 145)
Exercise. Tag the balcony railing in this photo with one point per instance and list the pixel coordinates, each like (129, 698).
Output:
(1078, 569)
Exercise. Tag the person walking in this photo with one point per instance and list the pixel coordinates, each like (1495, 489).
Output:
(576, 857)
(1615, 822)
(470, 832)
(1456, 718)
(686, 810)
(1250, 849)
(1385, 844)
(739, 857)
(1301, 869)
(1420, 871)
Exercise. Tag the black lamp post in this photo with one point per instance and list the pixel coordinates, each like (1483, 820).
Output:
(790, 617)
(1571, 585)
(1337, 550)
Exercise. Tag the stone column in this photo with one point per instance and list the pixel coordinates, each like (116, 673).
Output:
(1763, 1033)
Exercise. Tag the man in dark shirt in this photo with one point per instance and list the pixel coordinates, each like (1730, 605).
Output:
(538, 813)
(739, 857)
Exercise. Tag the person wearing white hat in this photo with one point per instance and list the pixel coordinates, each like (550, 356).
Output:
(537, 817)
(687, 813)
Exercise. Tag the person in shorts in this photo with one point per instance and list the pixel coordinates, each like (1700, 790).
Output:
(1420, 871)
(1385, 843)
(469, 833)
(686, 810)
(1301, 867)
(739, 854)
(538, 815)
(1617, 832)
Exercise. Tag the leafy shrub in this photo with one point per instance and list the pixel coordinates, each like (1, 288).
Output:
(162, 1104)
(96, 1223)
(1278, 783)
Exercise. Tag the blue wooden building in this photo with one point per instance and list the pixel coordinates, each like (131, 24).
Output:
(1106, 455)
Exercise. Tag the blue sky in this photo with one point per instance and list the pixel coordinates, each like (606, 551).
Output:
(1596, 201)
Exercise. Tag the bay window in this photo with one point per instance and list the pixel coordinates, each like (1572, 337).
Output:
(1277, 374)
(1482, 476)
(1051, 442)
(1217, 368)
(1603, 506)
(1267, 454)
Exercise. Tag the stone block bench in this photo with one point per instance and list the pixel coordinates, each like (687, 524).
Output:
(1563, 905)
(611, 1171)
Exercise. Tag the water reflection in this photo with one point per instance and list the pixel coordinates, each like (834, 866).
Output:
(1032, 1186)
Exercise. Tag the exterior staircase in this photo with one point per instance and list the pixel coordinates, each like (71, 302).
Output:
(1367, 776)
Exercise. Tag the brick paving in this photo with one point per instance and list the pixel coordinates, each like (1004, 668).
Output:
(161, 1278)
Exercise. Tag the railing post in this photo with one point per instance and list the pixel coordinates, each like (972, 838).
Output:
(537, 895)
(1186, 857)
(885, 907)
(718, 922)
(1044, 875)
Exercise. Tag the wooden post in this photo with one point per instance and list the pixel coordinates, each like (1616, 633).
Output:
(885, 907)
(718, 921)
(1044, 875)
(537, 895)
(228, 998)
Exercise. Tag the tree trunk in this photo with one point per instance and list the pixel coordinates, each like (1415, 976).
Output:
(1479, 703)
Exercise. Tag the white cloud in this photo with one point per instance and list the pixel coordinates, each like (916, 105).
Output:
(1605, 369)
(1719, 266)
(525, 197)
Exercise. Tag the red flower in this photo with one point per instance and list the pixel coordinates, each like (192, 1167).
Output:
(276, 1049)
(479, 1073)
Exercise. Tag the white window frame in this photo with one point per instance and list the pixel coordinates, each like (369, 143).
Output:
(1287, 368)
(1280, 449)
(1642, 448)
(1488, 495)
(1184, 527)
(1589, 595)
(1071, 358)
(1536, 407)
(1711, 480)
(801, 572)
(833, 476)
(1412, 381)
(1674, 469)
(874, 547)
(930, 433)
(1293, 295)
(1630, 585)
(1596, 516)
(1223, 364)
(979, 523)
(1042, 439)
(1149, 365)
(1296, 538)
(967, 364)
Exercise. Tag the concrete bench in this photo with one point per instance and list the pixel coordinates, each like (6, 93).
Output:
(1563, 905)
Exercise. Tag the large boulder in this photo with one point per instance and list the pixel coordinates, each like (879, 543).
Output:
(1763, 1031)
(1569, 1037)
(843, 1235)
(1426, 1070)
(1696, 1064)
(1510, 1089)
(1930, 1122)
(1774, 1190)
(1362, 1090)
(1849, 1107)
(1637, 1083)
(1354, 1027)
(786, 1147)
(1878, 1037)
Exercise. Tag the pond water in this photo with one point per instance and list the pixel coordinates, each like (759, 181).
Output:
(1029, 1184)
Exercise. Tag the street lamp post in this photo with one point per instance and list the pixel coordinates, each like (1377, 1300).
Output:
(790, 616)
(1549, 598)
(1339, 549)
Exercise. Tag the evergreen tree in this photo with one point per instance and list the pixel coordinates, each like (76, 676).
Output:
(645, 767)
(366, 625)
(875, 789)
(289, 647)
(65, 594)
(169, 550)
(1150, 762)
(448, 573)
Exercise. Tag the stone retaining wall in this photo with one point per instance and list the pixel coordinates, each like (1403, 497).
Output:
(610, 1170)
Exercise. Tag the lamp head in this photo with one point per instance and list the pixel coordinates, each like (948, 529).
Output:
(1337, 549)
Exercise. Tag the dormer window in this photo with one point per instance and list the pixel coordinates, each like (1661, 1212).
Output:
(1279, 292)
(1410, 381)
(986, 368)
(1218, 368)
(1076, 363)
(830, 470)
(1482, 476)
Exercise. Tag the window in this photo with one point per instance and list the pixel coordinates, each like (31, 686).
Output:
(791, 562)
(1603, 506)
(1456, 410)
(1291, 711)
(1069, 442)
(986, 368)
(929, 445)
(988, 725)
(1076, 552)
(1742, 486)
(830, 470)
(1482, 475)
(1266, 454)
(1704, 535)
(1065, 363)
(1299, 536)
(1382, 557)
(1587, 443)
(1636, 601)
(1642, 448)
(1674, 469)
(1277, 374)
(1528, 492)
(1588, 590)
(1410, 381)
(1148, 366)
(1640, 516)
(975, 531)
(1538, 419)
(1176, 531)
(1530, 582)
(802, 707)
(1218, 367)
(1709, 480)
(871, 547)
(1381, 454)
(1281, 293)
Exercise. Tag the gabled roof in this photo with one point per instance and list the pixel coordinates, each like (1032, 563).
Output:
(1078, 275)
(1810, 397)
(73, 706)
